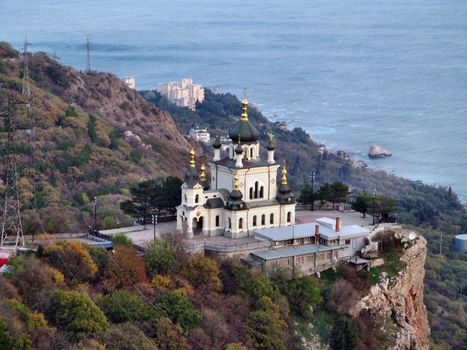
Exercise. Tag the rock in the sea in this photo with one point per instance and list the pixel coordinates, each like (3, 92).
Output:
(378, 152)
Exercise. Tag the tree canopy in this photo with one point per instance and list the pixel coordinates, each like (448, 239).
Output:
(153, 196)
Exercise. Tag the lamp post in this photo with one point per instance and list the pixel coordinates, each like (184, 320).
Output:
(154, 222)
(312, 175)
(95, 214)
(373, 213)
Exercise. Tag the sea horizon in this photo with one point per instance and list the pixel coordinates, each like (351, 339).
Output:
(334, 69)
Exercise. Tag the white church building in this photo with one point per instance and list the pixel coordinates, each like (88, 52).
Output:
(242, 194)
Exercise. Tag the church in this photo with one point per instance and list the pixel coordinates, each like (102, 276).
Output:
(242, 194)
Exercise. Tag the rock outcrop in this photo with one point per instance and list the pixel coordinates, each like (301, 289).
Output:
(401, 299)
(378, 152)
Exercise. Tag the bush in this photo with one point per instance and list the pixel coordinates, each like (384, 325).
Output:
(122, 239)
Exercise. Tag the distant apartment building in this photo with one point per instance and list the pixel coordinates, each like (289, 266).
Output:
(130, 82)
(200, 135)
(183, 93)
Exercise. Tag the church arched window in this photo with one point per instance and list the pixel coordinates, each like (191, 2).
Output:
(217, 220)
(271, 219)
(240, 223)
(251, 153)
(261, 192)
(197, 198)
(230, 223)
(263, 219)
(256, 189)
(254, 220)
(289, 216)
(251, 192)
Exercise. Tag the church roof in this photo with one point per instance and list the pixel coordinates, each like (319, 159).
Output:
(212, 203)
(244, 130)
(230, 163)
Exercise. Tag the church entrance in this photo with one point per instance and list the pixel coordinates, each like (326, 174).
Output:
(197, 225)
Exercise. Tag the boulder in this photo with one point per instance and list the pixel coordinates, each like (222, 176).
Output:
(378, 152)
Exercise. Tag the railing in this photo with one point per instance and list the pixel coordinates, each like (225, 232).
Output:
(227, 248)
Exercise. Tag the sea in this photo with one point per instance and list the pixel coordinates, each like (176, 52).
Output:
(352, 73)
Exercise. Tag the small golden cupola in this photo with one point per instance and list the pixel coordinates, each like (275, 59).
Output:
(284, 193)
(191, 177)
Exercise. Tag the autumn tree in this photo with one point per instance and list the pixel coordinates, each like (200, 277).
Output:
(203, 272)
(72, 259)
(126, 267)
(126, 336)
(169, 336)
(77, 315)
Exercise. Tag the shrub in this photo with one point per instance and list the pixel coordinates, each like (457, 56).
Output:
(122, 239)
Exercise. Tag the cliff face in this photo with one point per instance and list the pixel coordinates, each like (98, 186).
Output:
(401, 299)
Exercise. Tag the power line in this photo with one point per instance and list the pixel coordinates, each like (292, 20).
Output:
(26, 91)
(88, 57)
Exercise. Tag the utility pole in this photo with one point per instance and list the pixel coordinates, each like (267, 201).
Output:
(11, 223)
(373, 213)
(95, 215)
(88, 57)
(312, 190)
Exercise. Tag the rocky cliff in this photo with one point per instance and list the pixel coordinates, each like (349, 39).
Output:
(400, 299)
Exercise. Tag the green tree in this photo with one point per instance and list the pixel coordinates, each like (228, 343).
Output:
(304, 294)
(91, 126)
(345, 333)
(77, 315)
(176, 306)
(124, 306)
(338, 192)
(113, 136)
(362, 203)
(265, 327)
(163, 255)
(306, 195)
(153, 196)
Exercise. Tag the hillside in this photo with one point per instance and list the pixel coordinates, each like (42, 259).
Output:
(86, 135)
(434, 210)
(73, 296)
(78, 150)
